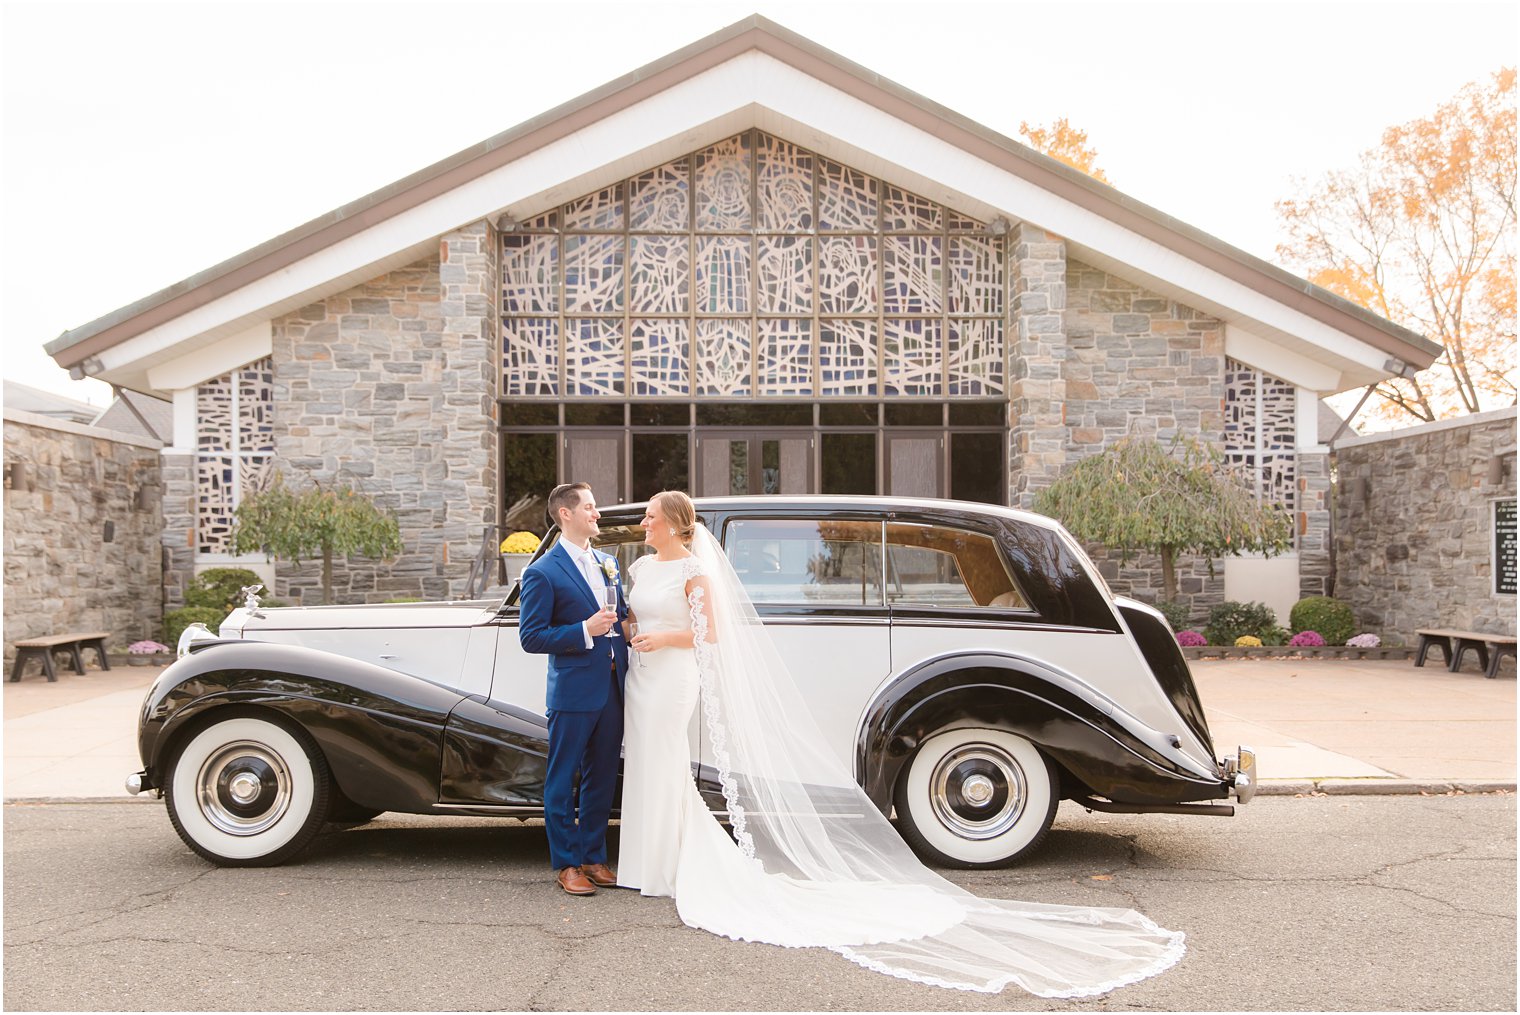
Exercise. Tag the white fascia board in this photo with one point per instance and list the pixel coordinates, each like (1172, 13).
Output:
(183, 440)
(752, 86)
(1306, 421)
(1273, 358)
(214, 360)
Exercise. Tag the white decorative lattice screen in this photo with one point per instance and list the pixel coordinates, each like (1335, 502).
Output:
(234, 445)
(1261, 433)
(752, 268)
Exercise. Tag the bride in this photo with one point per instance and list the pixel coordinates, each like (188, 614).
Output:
(812, 863)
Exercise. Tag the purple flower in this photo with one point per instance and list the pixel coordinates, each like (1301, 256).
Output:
(146, 648)
(1191, 639)
(1307, 639)
(1365, 641)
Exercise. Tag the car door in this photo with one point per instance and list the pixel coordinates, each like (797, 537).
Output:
(816, 583)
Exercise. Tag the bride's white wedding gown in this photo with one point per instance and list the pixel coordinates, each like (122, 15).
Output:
(670, 844)
(806, 871)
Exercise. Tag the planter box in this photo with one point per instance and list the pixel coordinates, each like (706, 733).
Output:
(512, 565)
(1284, 652)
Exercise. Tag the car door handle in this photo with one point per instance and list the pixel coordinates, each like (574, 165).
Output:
(387, 655)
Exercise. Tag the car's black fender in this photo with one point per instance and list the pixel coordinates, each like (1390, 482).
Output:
(1108, 751)
(381, 731)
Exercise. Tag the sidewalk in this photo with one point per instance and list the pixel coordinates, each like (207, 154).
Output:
(1331, 726)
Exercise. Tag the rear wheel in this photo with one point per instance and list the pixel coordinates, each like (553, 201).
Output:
(248, 791)
(976, 798)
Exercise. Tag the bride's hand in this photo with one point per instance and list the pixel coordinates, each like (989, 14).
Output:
(649, 642)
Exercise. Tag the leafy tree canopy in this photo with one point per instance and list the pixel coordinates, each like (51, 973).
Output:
(318, 522)
(1139, 495)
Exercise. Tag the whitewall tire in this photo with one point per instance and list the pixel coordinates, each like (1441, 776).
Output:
(248, 791)
(976, 798)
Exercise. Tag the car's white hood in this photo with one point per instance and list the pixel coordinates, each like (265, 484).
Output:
(352, 618)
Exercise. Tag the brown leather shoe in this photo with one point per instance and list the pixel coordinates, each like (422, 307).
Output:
(574, 882)
(600, 875)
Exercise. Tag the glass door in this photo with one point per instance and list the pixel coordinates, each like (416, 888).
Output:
(736, 464)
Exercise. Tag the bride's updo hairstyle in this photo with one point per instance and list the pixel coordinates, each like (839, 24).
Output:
(677, 510)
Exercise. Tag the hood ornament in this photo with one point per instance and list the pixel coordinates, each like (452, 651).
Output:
(250, 594)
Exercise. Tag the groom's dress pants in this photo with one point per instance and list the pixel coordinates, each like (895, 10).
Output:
(590, 743)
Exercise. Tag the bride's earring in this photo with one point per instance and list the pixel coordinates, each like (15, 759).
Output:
(672, 532)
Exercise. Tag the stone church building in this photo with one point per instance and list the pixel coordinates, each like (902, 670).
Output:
(752, 266)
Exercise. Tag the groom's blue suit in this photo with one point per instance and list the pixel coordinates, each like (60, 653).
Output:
(584, 700)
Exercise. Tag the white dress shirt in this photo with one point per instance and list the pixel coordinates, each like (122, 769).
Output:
(591, 571)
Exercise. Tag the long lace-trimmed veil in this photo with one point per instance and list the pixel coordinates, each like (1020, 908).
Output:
(797, 811)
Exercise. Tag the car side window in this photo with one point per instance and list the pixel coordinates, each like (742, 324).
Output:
(937, 565)
(806, 561)
(626, 542)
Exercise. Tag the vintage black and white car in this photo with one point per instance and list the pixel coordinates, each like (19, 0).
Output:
(967, 662)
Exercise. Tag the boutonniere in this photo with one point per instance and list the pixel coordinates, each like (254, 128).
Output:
(609, 568)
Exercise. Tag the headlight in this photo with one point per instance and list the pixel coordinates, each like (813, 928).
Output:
(194, 633)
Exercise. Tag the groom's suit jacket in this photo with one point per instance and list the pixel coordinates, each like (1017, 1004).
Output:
(555, 600)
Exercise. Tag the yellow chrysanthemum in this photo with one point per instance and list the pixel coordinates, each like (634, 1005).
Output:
(1248, 641)
(520, 542)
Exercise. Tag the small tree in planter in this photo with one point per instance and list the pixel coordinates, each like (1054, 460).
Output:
(321, 521)
(1139, 495)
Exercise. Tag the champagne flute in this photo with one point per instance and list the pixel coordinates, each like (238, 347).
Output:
(609, 604)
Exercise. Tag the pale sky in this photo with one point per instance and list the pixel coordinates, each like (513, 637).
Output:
(143, 142)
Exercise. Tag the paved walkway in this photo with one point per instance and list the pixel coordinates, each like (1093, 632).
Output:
(1370, 727)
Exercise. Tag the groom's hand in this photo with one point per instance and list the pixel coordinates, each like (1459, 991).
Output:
(600, 623)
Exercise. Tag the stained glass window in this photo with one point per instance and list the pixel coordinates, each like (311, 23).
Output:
(1261, 432)
(753, 268)
(234, 447)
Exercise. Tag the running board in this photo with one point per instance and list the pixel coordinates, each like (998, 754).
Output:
(1094, 804)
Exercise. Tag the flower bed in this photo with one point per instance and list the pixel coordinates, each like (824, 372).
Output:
(1286, 652)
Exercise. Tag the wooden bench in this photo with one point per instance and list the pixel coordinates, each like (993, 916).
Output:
(43, 648)
(1455, 644)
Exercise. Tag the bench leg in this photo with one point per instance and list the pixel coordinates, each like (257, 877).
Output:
(1428, 642)
(76, 659)
(47, 667)
(1500, 651)
(99, 645)
(1463, 645)
(22, 655)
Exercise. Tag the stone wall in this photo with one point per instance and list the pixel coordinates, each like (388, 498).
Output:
(1414, 549)
(391, 387)
(63, 570)
(1139, 364)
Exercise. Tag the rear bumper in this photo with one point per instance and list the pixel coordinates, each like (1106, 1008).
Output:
(1240, 774)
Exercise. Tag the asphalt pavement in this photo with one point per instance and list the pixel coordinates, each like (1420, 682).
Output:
(1363, 903)
(1326, 893)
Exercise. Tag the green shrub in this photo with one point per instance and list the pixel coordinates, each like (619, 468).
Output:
(1332, 618)
(1231, 620)
(1176, 614)
(217, 588)
(1276, 636)
(175, 621)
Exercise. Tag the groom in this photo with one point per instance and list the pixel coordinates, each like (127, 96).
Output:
(563, 617)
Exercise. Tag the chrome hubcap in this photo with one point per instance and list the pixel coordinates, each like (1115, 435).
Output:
(243, 788)
(978, 791)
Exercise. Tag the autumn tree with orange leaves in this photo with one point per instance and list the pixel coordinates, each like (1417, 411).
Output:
(1064, 143)
(1422, 231)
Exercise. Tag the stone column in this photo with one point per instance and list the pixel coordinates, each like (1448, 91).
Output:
(470, 281)
(1037, 349)
(1312, 524)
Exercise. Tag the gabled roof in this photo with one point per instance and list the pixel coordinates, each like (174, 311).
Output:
(1080, 192)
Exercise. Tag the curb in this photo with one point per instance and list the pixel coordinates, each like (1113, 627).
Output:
(1382, 787)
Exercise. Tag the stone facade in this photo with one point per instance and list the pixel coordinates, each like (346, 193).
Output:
(391, 387)
(1136, 363)
(1036, 348)
(1316, 567)
(80, 555)
(1415, 550)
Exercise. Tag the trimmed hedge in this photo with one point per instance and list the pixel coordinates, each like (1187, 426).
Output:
(175, 621)
(1333, 619)
(1231, 620)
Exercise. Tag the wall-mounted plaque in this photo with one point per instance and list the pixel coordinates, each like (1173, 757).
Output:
(1504, 547)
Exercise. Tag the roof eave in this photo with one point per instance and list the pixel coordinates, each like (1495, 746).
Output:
(754, 32)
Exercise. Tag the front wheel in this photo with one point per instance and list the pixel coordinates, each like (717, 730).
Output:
(248, 792)
(976, 798)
